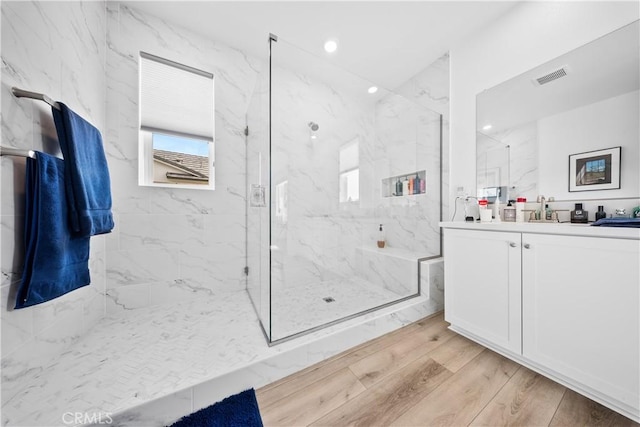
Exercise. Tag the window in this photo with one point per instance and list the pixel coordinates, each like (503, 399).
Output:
(176, 125)
(350, 172)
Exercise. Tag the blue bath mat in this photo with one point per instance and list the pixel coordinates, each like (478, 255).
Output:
(239, 410)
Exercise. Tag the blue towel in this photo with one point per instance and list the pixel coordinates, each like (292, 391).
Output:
(87, 175)
(618, 222)
(239, 410)
(56, 262)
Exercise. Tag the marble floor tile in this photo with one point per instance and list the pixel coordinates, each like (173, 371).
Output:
(135, 357)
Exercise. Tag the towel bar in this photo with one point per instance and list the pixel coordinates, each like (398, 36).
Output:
(21, 93)
(6, 151)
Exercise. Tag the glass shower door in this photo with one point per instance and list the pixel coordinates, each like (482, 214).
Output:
(336, 155)
(258, 198)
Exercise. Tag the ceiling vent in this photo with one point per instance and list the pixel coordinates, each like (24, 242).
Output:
(554, 75)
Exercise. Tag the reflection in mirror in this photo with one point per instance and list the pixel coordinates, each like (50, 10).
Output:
(492, 163)
(176, 125)
(585, 100)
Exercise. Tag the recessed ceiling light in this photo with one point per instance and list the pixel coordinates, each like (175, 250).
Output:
(372, 89)
(486, 127)
(330, 46)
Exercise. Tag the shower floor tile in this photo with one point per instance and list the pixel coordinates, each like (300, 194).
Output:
(299, 308)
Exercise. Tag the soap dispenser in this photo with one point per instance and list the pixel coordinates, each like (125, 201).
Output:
(381, 241)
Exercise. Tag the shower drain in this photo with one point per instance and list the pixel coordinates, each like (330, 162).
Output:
(328, 299)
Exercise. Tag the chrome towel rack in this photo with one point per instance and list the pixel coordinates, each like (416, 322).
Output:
(21, 93)
(7, 151)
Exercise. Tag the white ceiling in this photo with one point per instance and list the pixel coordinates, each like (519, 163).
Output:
(386, 42)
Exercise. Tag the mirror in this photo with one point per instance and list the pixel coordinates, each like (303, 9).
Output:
(530, 127)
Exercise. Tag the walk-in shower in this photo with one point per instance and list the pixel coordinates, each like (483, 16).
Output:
(312, 258)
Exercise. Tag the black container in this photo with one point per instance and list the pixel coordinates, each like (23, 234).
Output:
(579, 216)
(398, 188)
(601, 213)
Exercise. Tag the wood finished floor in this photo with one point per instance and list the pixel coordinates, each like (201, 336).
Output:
(425, 375)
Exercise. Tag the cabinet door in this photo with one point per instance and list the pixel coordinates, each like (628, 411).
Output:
(581, 311)
(483, 285)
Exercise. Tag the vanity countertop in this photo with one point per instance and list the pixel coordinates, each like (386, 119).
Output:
(548, 228)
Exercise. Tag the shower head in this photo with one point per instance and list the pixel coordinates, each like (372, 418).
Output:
(313, 126)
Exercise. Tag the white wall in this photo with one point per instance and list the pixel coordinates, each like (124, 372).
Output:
(526, 36)
(605, 124)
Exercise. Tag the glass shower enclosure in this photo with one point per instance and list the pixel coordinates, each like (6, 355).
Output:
(328, 165)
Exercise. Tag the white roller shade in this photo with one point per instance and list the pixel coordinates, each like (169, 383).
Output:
(175, 98)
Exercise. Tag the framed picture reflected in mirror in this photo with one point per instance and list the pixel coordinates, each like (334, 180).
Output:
(595, 170)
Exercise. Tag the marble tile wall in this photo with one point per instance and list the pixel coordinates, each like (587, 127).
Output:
(56, 48)
(407, 140)
(171, 245)
(430, 88)
(174, 245)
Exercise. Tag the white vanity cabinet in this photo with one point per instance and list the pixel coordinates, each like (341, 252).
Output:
(580, 311)
(564, 301)
(485, 268)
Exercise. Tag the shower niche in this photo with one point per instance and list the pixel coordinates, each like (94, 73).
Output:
(326, 151)
(408, 184)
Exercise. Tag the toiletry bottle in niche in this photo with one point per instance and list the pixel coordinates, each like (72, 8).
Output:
(423, 185)
(381, 241)
(411, 187)
(398, 188)
(416, 184)
(601, 213)
(405, 186)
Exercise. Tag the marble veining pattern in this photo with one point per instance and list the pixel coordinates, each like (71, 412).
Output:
(180, 247)
(135, 357)
(174, 245)
(132, 357)
(57, 49)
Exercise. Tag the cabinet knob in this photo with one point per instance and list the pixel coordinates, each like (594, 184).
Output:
(512, 244)
(527, 246)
